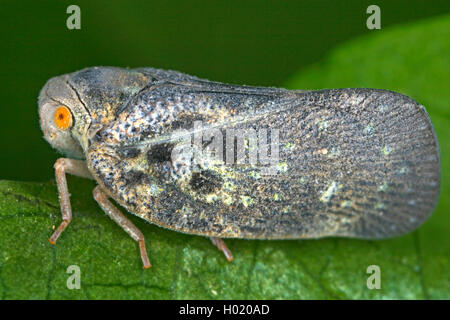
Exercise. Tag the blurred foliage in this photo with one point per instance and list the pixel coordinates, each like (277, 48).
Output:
(412, 59)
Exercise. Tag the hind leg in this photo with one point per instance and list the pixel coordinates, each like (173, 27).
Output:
(220, 244)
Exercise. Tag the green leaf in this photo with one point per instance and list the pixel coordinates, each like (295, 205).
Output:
(411, 59)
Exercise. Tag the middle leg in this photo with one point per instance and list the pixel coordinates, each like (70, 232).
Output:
(123, 222)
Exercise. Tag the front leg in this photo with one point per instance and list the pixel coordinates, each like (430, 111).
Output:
(63, 166)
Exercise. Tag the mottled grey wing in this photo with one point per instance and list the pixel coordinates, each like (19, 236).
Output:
(352, 162)
(358, 162)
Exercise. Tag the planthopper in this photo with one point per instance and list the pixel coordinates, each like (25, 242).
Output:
(228, 161)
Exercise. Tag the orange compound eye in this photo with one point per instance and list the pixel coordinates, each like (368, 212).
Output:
(62, 118)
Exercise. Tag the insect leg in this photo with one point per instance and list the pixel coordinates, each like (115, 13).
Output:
(123, 222)
(220, 244)
(63, 166)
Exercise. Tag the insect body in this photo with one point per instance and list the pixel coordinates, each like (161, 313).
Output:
(228, 161)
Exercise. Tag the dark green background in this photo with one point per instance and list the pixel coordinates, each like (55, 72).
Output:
(246, 42)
